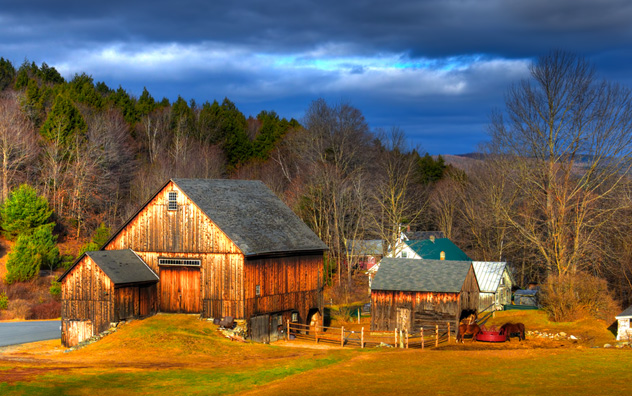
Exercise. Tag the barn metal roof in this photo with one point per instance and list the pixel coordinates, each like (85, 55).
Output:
(403, 274)
(255, 219)
(123, 266)
(489, 274)
(431, 250)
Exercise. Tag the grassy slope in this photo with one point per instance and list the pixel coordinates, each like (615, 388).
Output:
(179, 353)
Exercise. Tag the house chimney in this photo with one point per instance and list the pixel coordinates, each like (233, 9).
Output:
(432, 238)
(408, 228)
(442, 255)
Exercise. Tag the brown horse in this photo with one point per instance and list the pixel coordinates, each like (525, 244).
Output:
(465, 329)
(513, 328)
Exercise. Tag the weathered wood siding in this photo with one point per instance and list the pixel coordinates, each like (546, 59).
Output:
(425, 308)
(157, 229)
(469, 293)
(134, 301)
(221, 281)
(86, 296)
(285, 283)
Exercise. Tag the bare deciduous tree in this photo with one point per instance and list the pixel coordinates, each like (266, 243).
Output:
(569, 137)
(18, 140)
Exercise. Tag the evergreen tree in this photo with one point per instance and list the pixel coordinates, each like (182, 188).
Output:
(123, 101)
(7, 73)
(182, 118)
(146, 103)
(32, 252)
(64, 123)
(82, 90)
(236, 145)
(24, 211)
(430, 170)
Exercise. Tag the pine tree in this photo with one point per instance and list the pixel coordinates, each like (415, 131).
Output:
(23, 212)
(64, 123)
(31, 253)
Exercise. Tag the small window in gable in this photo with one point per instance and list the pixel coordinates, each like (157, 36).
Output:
(172, 200)
(404, 254)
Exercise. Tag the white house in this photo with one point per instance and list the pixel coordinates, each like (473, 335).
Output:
(495, 282)
(624, 332)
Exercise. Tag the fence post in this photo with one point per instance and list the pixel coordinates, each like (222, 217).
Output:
(287, 333)
(362, 338)
(436, 335)
(316, 333)
(395, 334)
(406, 331)
(448, 332)
(342, 336)
(422, 337)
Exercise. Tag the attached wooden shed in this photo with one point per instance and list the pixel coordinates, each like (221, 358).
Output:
(228, 248)
(496, 282)
(105, 287)
(410, 293)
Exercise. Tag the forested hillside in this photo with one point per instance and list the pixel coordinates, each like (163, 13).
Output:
(96, 153)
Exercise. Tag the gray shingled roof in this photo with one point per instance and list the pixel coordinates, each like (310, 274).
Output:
(489, 274)
(625, 314)
(123, 266)
(255, 219)
(421, 275)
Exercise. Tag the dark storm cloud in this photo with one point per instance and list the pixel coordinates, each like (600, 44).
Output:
(428, 28)
(435, 68)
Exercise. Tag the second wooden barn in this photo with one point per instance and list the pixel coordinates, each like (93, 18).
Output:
(407, 294)
(102, 288)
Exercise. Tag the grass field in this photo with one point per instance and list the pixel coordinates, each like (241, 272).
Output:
(179, 354)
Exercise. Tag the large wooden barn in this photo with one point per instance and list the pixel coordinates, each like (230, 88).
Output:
(407, 294)
(219, 248)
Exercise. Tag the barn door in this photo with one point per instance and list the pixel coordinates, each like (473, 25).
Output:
(260, 328)
(403, 319)
(180, 289)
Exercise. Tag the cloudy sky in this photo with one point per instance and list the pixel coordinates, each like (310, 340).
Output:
(435, 68)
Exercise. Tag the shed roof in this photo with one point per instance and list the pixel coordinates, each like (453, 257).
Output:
(255, 219)
(627, 313)
(489, 274)
(121, 266)
(402, 274)
(431, 250)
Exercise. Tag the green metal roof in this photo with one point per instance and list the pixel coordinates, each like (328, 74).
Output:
(431, 250)
(402, 274)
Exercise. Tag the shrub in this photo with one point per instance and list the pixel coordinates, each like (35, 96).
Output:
(30, 253)
(47, 310)
(4, 301)
(19, 291)
(55, 289)
(19, 309)
(23, 212)
(575, 296)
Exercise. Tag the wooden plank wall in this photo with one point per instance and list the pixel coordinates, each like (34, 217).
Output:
(221, 281)
(134, 302)
(180, 289)
(187, 229)
(425, 307)
(87, 295)
(469, 292)
(286, 284)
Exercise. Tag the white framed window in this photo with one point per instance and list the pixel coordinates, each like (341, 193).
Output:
(404, 254)
(179, 262)
(257, 290)
(172, 200)
(294, 316)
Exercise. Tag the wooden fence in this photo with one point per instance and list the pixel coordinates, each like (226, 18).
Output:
(429, 336)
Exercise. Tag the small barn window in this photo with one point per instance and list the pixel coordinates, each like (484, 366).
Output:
(257, 290)
(180, 262)
(294, 316)
(172, 200)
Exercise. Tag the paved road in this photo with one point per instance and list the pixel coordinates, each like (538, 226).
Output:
(12, 333)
